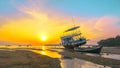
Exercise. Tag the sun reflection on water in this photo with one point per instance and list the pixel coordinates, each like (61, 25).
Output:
(43, 48)
(46, 52)
(43, 52)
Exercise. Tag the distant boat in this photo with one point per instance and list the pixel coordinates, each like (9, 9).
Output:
(74, 39)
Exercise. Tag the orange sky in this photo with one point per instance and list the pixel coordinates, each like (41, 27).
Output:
(33, 22)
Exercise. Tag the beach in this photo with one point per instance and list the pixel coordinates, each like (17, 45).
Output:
(55, 57)
(95, 59)
(115, 50)
(26, 59)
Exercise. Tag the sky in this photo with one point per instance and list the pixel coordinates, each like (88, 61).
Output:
(40, 22)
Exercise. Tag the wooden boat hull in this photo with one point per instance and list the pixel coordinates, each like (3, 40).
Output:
(89, 50)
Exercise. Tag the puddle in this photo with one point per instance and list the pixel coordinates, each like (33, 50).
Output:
(106, 55)
(78, 63)
(67, 61)
(48, 53)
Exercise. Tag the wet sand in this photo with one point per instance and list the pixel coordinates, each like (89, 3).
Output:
(111, 50)
(18, 58)
(26, 59)
(98, 60)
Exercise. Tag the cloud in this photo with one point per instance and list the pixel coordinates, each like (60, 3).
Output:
(28, 27)
(34, 19)
(107, 23)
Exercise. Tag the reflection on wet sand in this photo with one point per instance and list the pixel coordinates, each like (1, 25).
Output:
(43, 48)
(67, 61)
(78, 63)
(14, 58)
(48, 53)
(44, 51)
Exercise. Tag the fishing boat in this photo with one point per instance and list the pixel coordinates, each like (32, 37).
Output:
(72, 39)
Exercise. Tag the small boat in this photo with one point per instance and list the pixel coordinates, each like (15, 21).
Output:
(96, 49)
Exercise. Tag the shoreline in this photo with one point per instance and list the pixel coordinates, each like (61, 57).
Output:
(12, 58)
(26, 59)
(111, 50)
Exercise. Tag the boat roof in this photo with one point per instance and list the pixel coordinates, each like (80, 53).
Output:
(73, 28)
(69, 36)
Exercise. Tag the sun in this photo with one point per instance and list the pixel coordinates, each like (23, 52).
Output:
(43, 38)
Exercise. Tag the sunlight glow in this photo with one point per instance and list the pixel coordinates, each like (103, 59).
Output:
(43, 38)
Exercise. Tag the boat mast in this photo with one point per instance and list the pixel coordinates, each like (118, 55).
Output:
(74, 26)
(73, 21)
(74, 32)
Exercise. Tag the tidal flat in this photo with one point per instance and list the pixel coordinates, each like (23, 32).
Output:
(26, 59)
(55, 57)
(113, 63)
